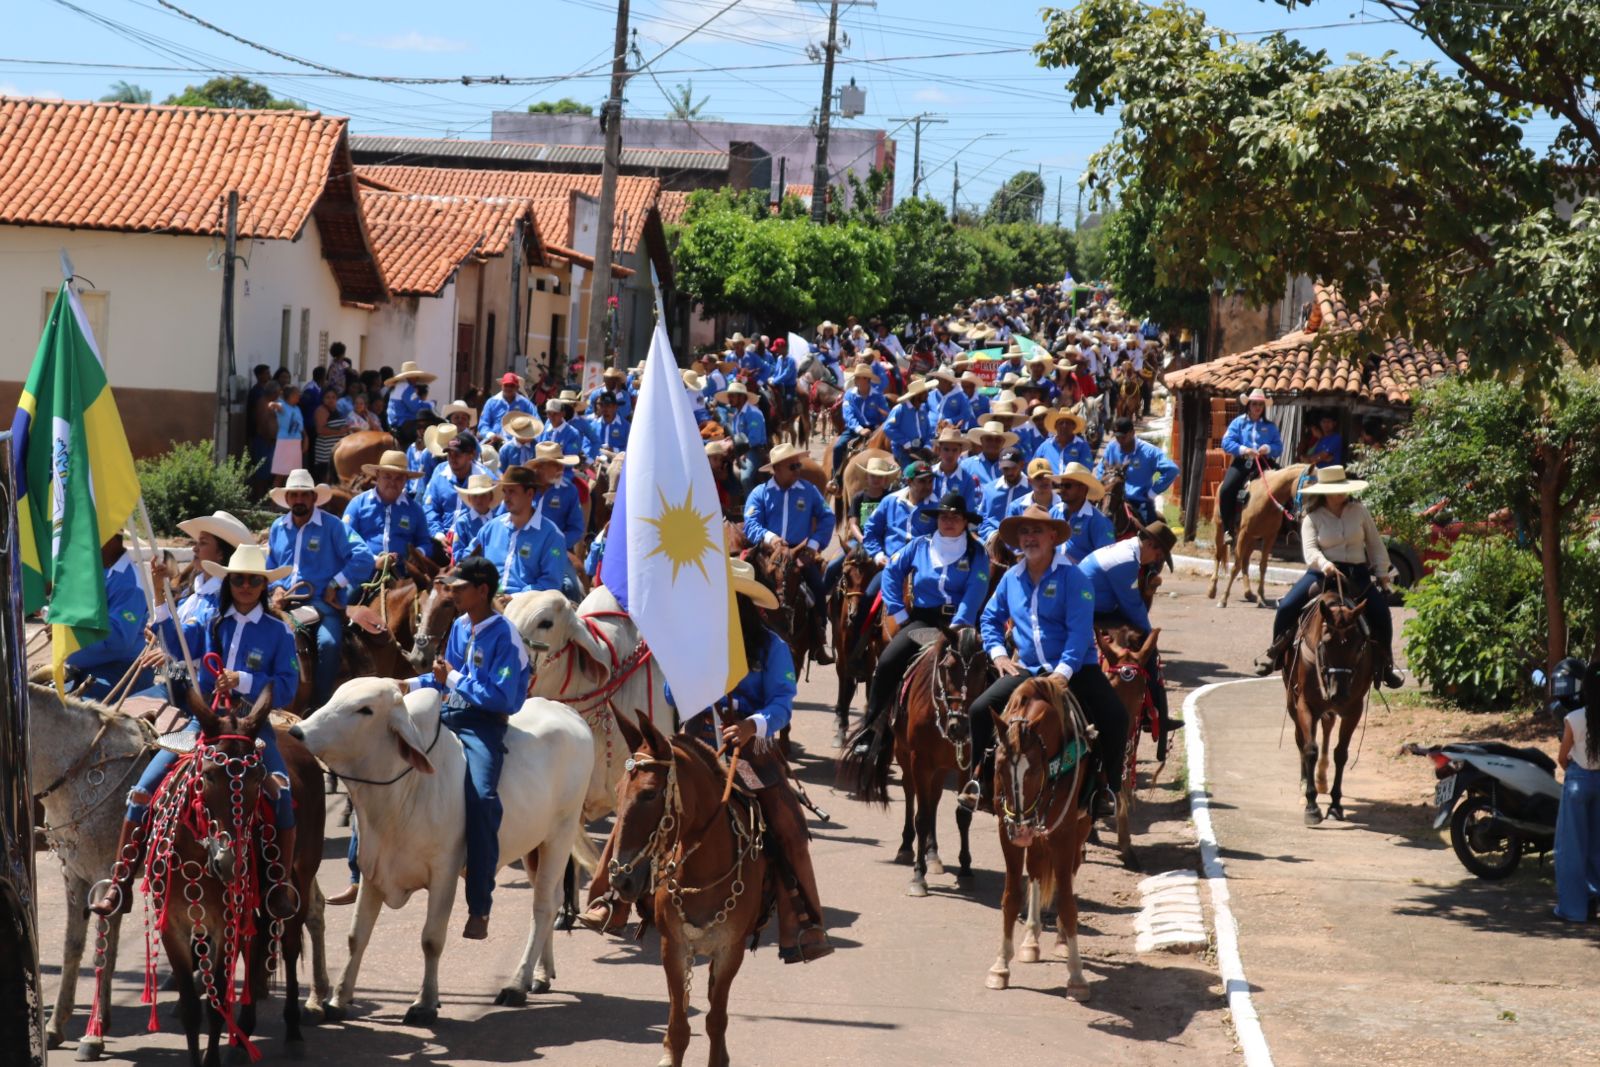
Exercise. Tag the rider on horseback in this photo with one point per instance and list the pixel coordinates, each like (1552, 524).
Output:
(743, 421)
(387, 518)
(789, 510)
(1115, 574)
(1254, 445)
(1080, 490)
(1148, 471)
(864, 411)
(1002, 492)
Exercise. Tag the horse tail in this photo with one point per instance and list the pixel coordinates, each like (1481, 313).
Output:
(584, 854)
(1047, 886)
(865, 775)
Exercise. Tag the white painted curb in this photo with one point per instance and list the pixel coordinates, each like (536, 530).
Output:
(1285, 575)
(1246, 1023)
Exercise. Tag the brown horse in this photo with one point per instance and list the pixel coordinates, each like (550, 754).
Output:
(1259, 525)
(1043, 741)
(212, 855)
(826, 401)
(1115, 503)
(1128, 664)
(1130, 390)
(355, 451)
(931, 739)
(714, 886)
(852, 628)
(778, 568)
(1328, 675)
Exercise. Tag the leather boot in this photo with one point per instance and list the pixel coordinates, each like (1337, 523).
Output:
(820, 650)
(1272, 660)
(978, 793)
(787, 823)
(1385, 674)
(118, 897)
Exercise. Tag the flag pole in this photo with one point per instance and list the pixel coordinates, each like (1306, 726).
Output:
(166, 591)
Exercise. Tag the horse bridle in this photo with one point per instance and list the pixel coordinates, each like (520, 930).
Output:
(1032, 816)
(951, 701)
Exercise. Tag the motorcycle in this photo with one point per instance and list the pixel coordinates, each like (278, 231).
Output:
(1500, 801)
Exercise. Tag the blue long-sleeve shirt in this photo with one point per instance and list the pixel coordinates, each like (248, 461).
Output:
(1091, 530)
(1052, 620)
(983, 471)
(405, 405)
(1245, 435)
(496, 408)
(765, 695)
(559, 504)
(748, 421)
(797, 515)
(467, 524)
(612, 435)
(904, 429)
(489, 665)
(1149, 470)
(895, 522)
(441, 501)
(397, 527)
(514, 453)
(127, 611)
(952, 407)
(323, 552)
(784, 372)
(962, 585)
(997, 501)
(756, 364)
(624, 402)
(532, 557)
(870, 411)
(419, 459)
(960, 481)
(1075, 451)
(1113, 573)
(257, 645)
(1029, 438)
(573, 441)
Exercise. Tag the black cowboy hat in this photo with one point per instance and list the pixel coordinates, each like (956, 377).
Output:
(1162, 536)
(953, 503)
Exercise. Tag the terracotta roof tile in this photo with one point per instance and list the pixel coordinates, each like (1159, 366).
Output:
(142, 168)
(420, 240)
(551, 194)
(672, 204)
(795, 189)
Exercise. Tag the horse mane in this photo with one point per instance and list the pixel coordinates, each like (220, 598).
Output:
(1043, 689)
(103, 714)
(968, 642)
(704, 753)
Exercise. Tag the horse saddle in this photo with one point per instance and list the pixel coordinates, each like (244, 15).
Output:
(181, 742)
(305, 615)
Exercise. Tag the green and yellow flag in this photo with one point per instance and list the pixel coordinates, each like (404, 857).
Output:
(76, 484)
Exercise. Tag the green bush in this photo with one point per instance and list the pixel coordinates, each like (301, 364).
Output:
(187, 481)
(1480, 623)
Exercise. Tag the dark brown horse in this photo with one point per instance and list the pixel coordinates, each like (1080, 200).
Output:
(931, 739)
(853, 628)
(1128, 664)
(216, 879)
(1043, 742)
(714, 885)
(1115, 503)
(778, 567)
(1327, 677)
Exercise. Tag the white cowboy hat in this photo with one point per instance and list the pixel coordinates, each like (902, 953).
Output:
(1053, 419)
(992, 428)
(737, 339)
(915, 391)
(246, 559)
(1255, 395)
(390, 461)
(719, 447)
(882, 465)
(943, 374)
(410, 372)
(479, 485)
(550, 452)
(745, 584)
(693, 380)
(221, 525)
(459, 407)
(522, 426)
(300, 478)
(1077, 472)
(1333, 481)
(782, 454)
(826, 325)
(865, 462)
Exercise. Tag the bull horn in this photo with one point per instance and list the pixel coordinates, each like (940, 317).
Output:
(1149, 645)
(259, 711)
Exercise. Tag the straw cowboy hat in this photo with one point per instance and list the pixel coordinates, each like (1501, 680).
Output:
(943, 374)
(1052, 420)
(1333, 481)
(970, 378)
(783, 454)
(459, 407)
(915, 391)
(693, 380)
(221, 525)
(436, 438)
(300, 478)
(393, 460)
(522, 426)
(613, 372)
(1059, 529)
(550, 452)
(863, 370)
(826, 325)
(1257, 394)
(479, 485)
(951, 436)
(410, 372)
(980, 333)
(734, 389)
(867, 461)
(1005, 413)
(991, 428)
(745, 584)
(246, 559)
(737, 339)
(1077, 472)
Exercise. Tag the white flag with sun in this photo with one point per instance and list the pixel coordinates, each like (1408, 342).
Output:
(665, 560)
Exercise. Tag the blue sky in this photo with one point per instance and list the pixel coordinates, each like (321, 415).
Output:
(1004, 113)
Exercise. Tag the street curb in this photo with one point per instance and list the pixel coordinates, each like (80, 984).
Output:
(1204, 567)
(1246, 1023)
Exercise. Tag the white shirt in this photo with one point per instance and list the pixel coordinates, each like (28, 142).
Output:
(1578, 723)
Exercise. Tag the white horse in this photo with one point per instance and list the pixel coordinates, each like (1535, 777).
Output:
(591, 660)
(413, 825)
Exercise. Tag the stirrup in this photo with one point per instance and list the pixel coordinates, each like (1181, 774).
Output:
(971, 795)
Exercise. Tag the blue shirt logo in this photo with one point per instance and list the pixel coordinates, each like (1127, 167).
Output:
(1050, 589)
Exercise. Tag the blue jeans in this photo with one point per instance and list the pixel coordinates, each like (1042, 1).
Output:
(1578, 844)
(483, 741)
(330, 635)
(1357, 584)
(569, 582)
(98, 685)
(1145, 509)
(351, 852)
(155, 772)
(840, 445)
(748, 468)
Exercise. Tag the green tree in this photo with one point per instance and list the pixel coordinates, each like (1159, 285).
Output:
(1091, 241)
(997, 270)
(565, 106)
(236, 92)
(933, 266)
(124, 92)
(1018, 199)
(683, 106)
(1130, 263)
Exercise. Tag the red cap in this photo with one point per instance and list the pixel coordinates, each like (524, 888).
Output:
(508, 378)
(780, 345)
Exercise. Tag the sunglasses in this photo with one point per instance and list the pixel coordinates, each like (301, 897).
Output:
(791, 466)
(246, 580)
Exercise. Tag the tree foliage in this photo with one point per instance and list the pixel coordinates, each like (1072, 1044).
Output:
(236, 91)
(1262, 160)
(1130, 263)
(125, 92)
(933, 264)
(683, 105)
(565, 106)
(1018, 200)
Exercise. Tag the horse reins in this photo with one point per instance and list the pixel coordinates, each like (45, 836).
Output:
(1033, 815)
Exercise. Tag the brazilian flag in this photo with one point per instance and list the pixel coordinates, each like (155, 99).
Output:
(76, 484)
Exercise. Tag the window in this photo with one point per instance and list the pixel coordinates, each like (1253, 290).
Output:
(96, 308)
(539, 284)
(305, 345)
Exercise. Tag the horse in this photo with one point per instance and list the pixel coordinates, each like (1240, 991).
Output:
(216, 879)
(355, 451)
(1042, 740)
(700, 844)
(1259, 524)
(852, 628)
(826, 403)
(1128, 664)
(1328, 675)
(778, 568)
(1114, 505)
(1130, 390)
(435, 612)
(931, 739)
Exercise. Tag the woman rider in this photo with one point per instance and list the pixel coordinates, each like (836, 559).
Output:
(1339, 537)
(752, 716)
(949, 573)
(257, 650)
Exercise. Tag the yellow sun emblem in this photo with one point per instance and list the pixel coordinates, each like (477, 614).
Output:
(684, 535)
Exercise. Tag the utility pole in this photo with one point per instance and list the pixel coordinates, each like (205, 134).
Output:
(819, 175)
(916, 152)
(955, 187)
(1038, 205)
(1077, 219)
(1058, 200)
(225, 330)
(611, 118)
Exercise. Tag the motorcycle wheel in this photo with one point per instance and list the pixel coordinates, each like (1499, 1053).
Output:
(1490, 852)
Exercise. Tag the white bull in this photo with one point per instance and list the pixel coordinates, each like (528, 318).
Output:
(405, 775)
(577, 655)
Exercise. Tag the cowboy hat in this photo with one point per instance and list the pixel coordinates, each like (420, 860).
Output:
(826, 325)
(1005, 414)
(459, 407)
(522, 426)
(734, 389)
(218, 524)
(953, 503)
(392, 460)
(992, 428)
(300, 478)
(915, 391)
(1160, 534)
(863, 370)
(1332, 481)
(865, 462)
(1053, 420)
(410, 372)
(783, 454)
(613, 372)
(881, 465)
(478, 485)
(1077, 472)
(1034, 516)
(950, 436)
(943, 374)
(957, 328)
(1257, 394)
(519, 475)
(437, 437)
(980, 333)
(719, 447)
(511, 378)
(550, 452)
(693, 380)
(246, 559)
(737, 339)
(745, 584)
(970, 378)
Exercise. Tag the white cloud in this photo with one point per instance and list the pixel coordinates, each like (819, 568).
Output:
(932, 95)
(7, 89)
(410, 41)
(768, 21)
